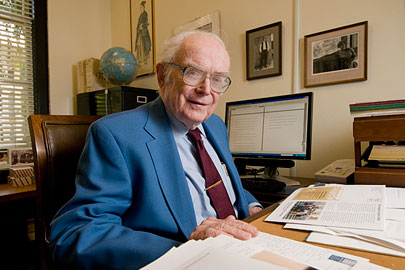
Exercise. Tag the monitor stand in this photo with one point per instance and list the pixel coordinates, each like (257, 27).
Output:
(270, 168)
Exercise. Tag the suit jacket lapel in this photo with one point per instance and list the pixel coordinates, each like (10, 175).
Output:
(170, 172)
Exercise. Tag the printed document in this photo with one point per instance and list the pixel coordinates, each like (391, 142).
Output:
(262, 252)
(395, 197)
(390, 241)
(394, 153)
(347, 206)
(352, 243)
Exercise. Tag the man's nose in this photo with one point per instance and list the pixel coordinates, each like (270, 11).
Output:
(205, 86)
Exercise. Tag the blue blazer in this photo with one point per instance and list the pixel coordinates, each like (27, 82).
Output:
(132, 202)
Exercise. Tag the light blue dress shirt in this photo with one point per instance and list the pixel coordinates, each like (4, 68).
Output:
(194, 175)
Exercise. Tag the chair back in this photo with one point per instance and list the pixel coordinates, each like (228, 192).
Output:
(57, 143)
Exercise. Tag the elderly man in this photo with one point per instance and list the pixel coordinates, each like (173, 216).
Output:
(144, 182)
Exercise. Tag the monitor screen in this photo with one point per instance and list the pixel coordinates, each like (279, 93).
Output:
(277, 127)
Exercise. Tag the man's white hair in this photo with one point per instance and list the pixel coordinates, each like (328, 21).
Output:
(172, 46)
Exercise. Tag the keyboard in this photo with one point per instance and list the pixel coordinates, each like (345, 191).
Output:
(265, 185)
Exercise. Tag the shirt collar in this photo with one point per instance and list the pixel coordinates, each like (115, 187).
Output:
(179, 129)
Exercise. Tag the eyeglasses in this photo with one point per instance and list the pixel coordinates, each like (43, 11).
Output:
(194, 76)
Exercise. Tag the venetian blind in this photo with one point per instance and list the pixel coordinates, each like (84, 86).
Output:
(16, 72)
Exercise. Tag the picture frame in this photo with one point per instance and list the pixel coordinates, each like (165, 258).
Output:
(4, 157)
(20, 157)
(263, 51)
(143, 35)
(209, 23)
(335, 56)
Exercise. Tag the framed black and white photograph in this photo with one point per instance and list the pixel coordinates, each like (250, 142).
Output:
(263, 51)
(20, 156)
(209, 23)
(337, 55)
(3, 157)
(143, 35)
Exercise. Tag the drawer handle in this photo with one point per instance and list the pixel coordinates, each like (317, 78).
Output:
(141, 99)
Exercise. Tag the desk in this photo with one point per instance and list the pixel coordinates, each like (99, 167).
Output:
(10, 193)
(257, 220)
(17, 205)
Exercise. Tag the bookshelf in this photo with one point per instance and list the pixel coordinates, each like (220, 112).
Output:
(377, 129)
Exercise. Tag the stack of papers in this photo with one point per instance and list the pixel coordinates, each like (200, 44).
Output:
(388, 155)
(262, 252)
(365, 217)
(393, 153)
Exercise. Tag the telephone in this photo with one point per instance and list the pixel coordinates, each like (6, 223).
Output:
(340, 171)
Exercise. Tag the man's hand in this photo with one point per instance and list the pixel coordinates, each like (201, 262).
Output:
(255, 209)
(212, 227)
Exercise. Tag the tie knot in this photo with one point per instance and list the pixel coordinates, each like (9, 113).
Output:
(194, 135)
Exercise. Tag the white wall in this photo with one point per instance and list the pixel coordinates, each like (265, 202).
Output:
(332, 127)
(332, 137)
(77, 29)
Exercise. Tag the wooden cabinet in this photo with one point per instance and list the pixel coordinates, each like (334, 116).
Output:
(377, 129)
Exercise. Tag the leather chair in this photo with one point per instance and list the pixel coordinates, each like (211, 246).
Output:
(57, 142)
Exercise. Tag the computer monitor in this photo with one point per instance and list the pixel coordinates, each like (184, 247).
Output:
(270, 132)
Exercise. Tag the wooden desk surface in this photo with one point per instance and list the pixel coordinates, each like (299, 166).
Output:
(257, 220)
(9, 193)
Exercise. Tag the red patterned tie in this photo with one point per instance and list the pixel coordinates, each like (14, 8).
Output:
(213, 182)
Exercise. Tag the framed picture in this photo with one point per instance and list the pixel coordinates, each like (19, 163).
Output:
(3, 157)
(263, 51)
(209, 23)
(20, 156)
(336, 56)
(143, 35)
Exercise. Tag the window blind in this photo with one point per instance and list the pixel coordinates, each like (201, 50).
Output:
(16, 72)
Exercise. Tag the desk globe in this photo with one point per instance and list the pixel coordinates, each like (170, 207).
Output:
(118, 66)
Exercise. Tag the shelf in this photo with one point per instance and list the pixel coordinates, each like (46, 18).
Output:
(390, 177)
(378, 129)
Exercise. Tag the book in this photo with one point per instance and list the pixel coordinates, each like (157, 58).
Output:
(387, 107)
(80, 77)
(94, 77)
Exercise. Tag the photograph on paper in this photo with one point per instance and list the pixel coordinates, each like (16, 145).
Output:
(334, 205)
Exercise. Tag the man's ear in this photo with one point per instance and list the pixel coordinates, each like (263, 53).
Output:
(160, 70)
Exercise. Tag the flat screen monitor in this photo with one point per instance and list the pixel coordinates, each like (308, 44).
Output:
(270, 131)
